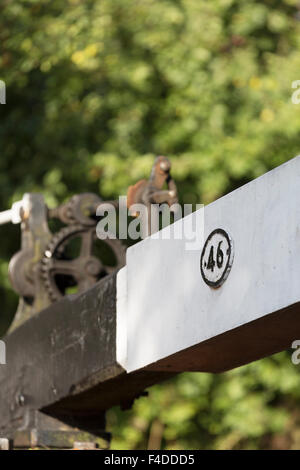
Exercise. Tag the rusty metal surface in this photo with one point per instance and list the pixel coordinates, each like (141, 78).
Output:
(43, 270)
(152, 191)
(24, 270)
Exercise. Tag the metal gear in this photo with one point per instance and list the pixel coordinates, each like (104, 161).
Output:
(83, 207)
(84, 270)
(80, 209)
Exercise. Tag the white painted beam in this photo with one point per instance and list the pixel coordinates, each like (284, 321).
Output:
(170, 312)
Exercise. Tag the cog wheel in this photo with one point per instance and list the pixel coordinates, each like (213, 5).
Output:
(83, 206)
(80, 209)
(60, 269)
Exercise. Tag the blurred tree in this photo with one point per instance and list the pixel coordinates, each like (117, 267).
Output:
(96, 88)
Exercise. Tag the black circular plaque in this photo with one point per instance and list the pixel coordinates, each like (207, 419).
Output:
(216, 258)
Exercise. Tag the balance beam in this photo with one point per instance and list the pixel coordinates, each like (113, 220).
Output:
(168, 311)
(177, 320)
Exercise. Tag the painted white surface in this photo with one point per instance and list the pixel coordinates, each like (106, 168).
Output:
(169, 306)
(121, 335)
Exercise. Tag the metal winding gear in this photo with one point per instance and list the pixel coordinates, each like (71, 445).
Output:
(59, 272)
(49, 264)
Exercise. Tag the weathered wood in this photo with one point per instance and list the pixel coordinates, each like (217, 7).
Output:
(63, 361)
(189, 324)
(254, 340)
(43, 431)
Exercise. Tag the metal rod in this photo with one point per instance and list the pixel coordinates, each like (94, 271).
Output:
(13, 215)
(6, 217)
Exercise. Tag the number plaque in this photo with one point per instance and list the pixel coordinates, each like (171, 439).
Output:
(216, 258)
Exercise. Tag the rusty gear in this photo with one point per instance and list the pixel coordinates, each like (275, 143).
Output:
(80, 209)
(84, 270)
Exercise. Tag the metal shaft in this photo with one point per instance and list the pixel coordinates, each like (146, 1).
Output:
(6, 217)
(13, 215)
